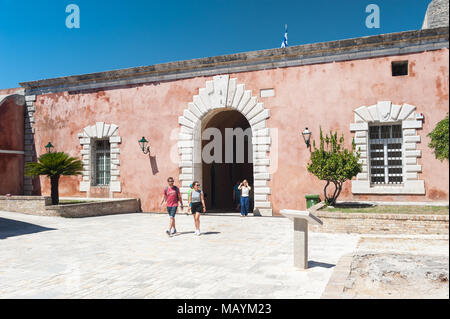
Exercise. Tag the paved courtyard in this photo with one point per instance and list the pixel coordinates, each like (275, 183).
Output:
(130, 256)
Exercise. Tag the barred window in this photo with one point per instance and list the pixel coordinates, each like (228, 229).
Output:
(385, 149)
(102, 163)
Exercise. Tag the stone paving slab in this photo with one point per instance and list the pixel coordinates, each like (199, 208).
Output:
(130, 256)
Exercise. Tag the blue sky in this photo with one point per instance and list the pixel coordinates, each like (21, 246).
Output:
(35, 43)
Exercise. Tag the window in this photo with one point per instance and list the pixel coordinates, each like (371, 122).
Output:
(389, 152)
(102, 163)
(385, 148)
(399, 68)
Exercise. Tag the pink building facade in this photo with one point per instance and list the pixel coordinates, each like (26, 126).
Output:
(350, 86)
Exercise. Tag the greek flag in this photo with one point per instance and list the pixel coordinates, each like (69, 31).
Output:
(285, 39)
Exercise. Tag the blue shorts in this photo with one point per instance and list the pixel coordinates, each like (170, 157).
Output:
(172, 211)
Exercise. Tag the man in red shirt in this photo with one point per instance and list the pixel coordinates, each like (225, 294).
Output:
(171, 196)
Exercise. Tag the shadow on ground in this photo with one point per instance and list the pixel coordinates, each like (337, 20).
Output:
(192, 232)
(312, 264)
(211, 233)
(11, 228)
(183, 233)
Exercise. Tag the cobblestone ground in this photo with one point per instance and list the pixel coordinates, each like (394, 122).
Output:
(130, 256)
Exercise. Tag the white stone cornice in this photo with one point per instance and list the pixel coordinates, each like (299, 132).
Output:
(12, 152)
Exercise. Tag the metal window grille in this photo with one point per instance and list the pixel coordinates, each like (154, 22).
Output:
(386, 160)
(102, 163)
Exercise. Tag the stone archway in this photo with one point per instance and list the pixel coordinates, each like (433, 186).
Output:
(225, 93)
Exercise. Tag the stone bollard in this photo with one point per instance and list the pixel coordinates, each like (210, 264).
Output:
(301, 220)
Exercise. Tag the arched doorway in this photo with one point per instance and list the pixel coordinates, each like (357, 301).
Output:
(223, 170)
(222, 94)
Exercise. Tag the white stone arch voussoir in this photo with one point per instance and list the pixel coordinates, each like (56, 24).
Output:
(225, 93)
(384, 112)
(91, 133)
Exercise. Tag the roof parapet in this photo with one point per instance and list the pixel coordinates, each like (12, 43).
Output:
(323, 52)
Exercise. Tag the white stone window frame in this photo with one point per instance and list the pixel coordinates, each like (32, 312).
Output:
(223, 93)
(385, 112)
(93, 133)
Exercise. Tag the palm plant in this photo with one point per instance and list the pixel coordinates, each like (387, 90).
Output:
(54, 165)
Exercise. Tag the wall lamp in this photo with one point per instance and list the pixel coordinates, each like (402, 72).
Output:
(307, 136)
(144, 145)
(49, 147)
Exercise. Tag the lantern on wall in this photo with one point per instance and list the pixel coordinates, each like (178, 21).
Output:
(144, 145)
(306, 136)
(49, 147)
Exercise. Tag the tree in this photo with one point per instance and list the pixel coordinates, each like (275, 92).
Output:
(54, 165)
(333, 163)
(439, 140)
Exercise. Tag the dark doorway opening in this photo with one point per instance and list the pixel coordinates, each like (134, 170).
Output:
(219, 178)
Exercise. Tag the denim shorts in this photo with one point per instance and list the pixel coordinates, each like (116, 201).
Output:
(172, 211)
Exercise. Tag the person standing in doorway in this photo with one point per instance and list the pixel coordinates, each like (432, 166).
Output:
(196, 200)
(237, 196)
(171, 196)
(245, 202)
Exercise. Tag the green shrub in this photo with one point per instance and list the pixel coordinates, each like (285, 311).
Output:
(333, 163)
(439, 140)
